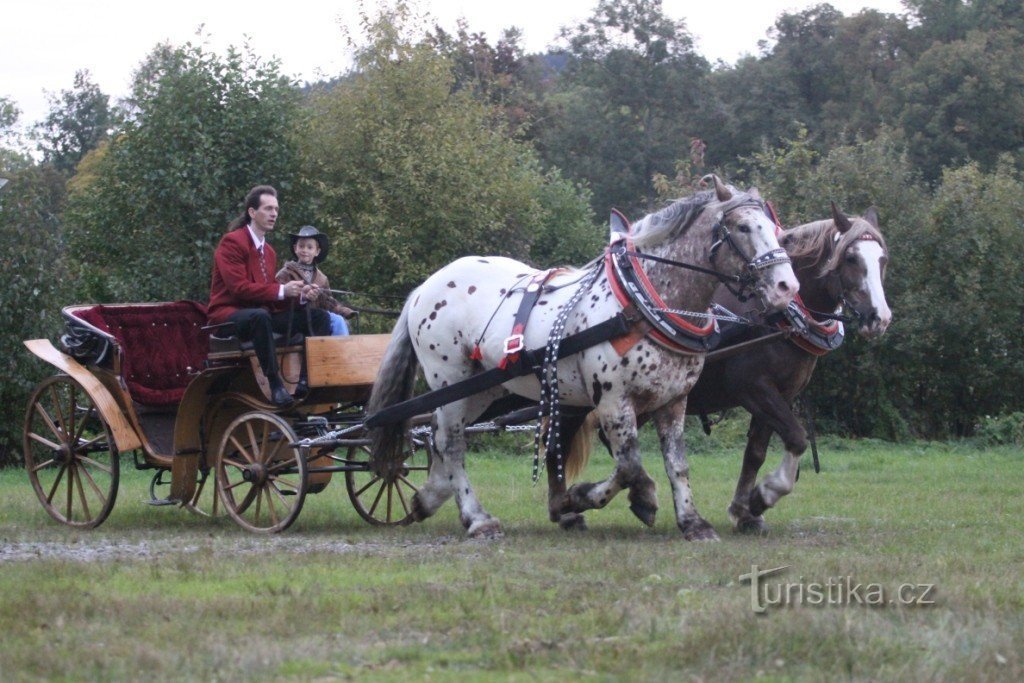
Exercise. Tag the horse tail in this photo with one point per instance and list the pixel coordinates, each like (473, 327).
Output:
(394, 384)
(579, 450)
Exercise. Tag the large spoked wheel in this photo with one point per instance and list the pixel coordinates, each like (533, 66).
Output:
(70, 456)
(260, 476)
(385, 499)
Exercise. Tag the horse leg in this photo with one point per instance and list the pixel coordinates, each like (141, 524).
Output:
(619, 425)
(558, 472)
(758, 437)
(448, 473)
(778, 414)
(670, 423)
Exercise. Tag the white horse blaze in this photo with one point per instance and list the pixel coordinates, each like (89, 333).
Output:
(871, 255)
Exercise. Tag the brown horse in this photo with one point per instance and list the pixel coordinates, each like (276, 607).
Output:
(839, 262)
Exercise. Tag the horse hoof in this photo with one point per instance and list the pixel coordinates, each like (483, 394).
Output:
(419, 511)
(699, 530)
(757, 503)
(573, 522)
(485, 529)
(644, 511)
(751, 525)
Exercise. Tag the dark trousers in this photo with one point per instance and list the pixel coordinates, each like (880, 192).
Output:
(258, 326)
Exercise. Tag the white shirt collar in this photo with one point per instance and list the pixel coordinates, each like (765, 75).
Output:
(255, 240)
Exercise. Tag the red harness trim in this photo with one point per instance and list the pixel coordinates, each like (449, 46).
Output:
(623, 298)
(825, 329)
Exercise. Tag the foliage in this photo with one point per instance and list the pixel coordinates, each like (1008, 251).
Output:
(32, 259)
(962, 357)
(410, 172)
(149, 206)
(624, 107)
(79, 119)
(964, 100)
(1001, 430)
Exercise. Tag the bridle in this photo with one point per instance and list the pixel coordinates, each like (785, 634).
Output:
(748, 279)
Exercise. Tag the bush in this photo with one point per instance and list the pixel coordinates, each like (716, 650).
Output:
(1001, 430)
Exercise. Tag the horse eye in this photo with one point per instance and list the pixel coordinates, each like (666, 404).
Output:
(743, 227)
(851, 259)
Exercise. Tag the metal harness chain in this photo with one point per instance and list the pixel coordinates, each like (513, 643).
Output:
(549, 398)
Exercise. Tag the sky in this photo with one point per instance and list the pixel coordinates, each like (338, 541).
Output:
(44, 42)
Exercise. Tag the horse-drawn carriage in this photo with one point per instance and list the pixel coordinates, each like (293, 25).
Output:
(151, 379)
(626, 336)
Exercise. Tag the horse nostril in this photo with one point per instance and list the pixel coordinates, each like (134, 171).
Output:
(784, 286)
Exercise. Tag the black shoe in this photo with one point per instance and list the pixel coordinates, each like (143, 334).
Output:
(301, 389)
(280, 397)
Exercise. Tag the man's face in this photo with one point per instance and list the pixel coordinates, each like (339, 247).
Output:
(263, 218)
(306, 249)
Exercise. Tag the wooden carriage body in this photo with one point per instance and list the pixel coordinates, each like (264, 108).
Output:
(165, 391)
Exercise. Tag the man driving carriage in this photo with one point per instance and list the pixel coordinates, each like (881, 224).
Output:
(243, 291)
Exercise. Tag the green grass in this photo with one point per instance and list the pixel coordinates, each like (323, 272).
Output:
(161, 593)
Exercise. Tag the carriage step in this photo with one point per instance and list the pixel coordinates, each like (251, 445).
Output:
(161, 502)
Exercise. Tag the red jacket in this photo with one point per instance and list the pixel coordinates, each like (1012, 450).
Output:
(238, 282)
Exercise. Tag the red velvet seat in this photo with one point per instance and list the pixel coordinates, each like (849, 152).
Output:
(164, 345)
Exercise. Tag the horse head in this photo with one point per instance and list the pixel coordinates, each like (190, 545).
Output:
(857, 270)
(746, 241)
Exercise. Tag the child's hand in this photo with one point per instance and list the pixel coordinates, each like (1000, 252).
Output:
(310, 292)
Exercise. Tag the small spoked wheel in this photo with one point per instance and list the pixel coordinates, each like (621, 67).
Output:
(260, 476)
(70, 456)
(385, 499)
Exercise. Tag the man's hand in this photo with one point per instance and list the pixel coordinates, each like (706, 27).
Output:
(293, 289)
(310, 292)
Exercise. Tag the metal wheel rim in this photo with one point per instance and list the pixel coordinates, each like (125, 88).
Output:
(272, 504)
(70, 456)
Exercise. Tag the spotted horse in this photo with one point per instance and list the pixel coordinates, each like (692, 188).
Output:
(455, 325)
(840, 263)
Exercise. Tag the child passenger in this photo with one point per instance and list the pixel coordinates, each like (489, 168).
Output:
(310, 247)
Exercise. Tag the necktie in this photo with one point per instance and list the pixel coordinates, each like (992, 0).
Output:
(263, 264)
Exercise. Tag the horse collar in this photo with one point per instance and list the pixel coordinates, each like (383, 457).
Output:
(815, 337)
(635, 292)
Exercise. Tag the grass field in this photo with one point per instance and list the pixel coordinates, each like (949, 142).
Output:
(162, 594)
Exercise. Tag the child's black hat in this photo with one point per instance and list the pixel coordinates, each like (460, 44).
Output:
(321, 239)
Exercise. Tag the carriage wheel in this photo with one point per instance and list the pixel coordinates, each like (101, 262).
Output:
(260, 477)
(385, 500)
(70, 456)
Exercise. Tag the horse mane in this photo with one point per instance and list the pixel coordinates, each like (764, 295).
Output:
(815, 243)
(677, 217)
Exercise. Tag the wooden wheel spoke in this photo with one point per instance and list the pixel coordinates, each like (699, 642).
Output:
(409, 483)
(92, 483)
(44, 465)
(371, 483)
(71, 491)
(60, 412)
(83, 421)
(241, 449)
(95, 463)
(56, 483)
(390, 486)
(81, 491)
(228, 487)
(275, 520)
(48, 419)
(43, 440)
(376, 501)
(401, 496)
(259, 502)
(284, 482)
(234, 463)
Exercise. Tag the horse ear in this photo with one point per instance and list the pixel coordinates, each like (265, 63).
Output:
(871, 216)
(721, 191)
(842, 222)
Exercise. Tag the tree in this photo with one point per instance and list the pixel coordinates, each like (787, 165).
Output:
(625, 108)
(32, 260)
(148, 206)
(411, 172)
(964, 100)
(79, 119)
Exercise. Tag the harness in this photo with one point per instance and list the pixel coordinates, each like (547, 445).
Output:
(664, 326)
(813, 336)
